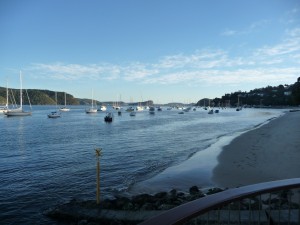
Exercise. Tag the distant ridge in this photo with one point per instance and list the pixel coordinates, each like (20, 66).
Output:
(47, 97)
(39, 97)
(282, 95)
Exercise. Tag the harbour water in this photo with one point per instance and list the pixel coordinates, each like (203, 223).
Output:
(45, 162)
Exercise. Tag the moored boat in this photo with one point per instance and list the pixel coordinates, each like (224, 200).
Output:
(54, 115)
(152, 110)
(65, 108)
(91, 109)
(132, 113)
(130, 109)
(19, 111)
(109, 117)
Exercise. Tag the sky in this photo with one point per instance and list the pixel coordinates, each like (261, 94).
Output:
(160, 50)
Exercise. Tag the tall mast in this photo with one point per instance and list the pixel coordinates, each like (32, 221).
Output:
(65, 100)
(92, 98)
(21, 103)
(56, 99)
(6, 93)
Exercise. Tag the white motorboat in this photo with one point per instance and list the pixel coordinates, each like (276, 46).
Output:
(54, 115)
(103, 108)
(139, 108)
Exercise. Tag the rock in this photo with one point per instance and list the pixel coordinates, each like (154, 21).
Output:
(194, 190)
(173, 192)
(148, 206)
(128, 206)
(213, 190)
(165, 207)
(121, 202)
(141, 199)
(124, 210)
(161, 195)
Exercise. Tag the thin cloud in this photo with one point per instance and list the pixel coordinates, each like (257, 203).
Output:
(278, 62)
(228, 32)
(291, 17)
(63, 71)
(137, 71)
(250, 29)
(289, 46)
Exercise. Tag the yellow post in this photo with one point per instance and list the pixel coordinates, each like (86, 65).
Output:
(98, 154)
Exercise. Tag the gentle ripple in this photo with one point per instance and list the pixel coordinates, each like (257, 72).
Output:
(44, 161)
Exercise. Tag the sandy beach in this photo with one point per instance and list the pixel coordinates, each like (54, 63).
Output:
(271, 152)
(267, 153)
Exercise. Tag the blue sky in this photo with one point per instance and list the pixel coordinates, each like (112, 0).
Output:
(163, 50)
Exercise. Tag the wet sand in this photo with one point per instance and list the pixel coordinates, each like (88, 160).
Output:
(267, 153)
(271, 152)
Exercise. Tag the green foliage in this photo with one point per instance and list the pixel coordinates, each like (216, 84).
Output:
(38, 97)
(282, 95)
(2, 100)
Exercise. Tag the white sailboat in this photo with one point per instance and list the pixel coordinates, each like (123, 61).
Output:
(18, 111)
(238, 108)
(65, 109)
(91, 109)
(54, 114)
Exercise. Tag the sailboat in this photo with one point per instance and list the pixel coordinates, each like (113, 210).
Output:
(92, 109)
(65, 109)
(238, 108)
(19, 111)
(54, 114)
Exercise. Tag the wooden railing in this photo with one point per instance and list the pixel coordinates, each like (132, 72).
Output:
(253, 203)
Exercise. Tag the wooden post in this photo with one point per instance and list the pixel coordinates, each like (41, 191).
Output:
(98, 154)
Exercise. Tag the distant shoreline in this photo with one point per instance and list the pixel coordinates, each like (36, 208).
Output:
(268, 153)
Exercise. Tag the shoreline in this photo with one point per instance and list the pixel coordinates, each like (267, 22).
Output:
(195, 171)
(223, 165)
(270, 152)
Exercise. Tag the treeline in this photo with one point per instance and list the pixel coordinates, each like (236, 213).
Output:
(46, 97)
(37, 97)
(282, 95)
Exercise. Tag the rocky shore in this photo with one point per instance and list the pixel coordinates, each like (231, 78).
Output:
(124, 210)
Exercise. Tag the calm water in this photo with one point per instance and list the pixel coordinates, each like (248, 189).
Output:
(44, 162)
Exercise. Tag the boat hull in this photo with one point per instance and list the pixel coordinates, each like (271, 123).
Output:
(53, 116)
(64, 109)
(91, 110)
(8, 113)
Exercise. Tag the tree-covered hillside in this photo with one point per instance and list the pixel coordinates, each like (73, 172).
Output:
(37, 97)
(282, 95)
